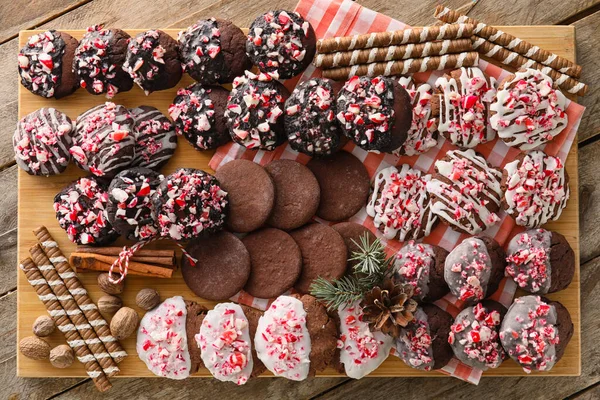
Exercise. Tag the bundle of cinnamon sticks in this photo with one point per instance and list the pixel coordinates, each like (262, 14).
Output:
(145, 262)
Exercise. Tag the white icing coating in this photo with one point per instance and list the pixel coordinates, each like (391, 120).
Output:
(361, 351)
(400, 205)
(528, 112)
(224, 342)
(469, 202)
(282, 341)
(467, 270)
(528, 260)
(412, 266)
(414, 344)
(162, 340)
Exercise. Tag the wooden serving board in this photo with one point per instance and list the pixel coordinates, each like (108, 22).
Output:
(35, 208)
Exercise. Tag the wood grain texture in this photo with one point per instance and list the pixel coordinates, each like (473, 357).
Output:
(36, 199)
(590, 200)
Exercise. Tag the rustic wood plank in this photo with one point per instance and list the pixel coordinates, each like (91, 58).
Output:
(8, 328)
(589, 189)
(591, 393)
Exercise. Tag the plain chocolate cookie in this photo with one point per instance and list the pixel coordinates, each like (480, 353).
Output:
(193, 322)
(344, 183)
(222, 268)
(352, 233)
(297, 194)
(253, 315)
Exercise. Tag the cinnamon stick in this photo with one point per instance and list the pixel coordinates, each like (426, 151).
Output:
(146, 256)
(98, 262)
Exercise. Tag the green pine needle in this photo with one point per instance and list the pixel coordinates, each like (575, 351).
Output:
(338, 292)
(370, 256)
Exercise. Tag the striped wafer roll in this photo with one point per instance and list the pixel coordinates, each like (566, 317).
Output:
(507, 57)
(73, 311)
(384, 39)
(76, 289)
(64, 324)
(405, 67)
(402, 52)
(511, 42)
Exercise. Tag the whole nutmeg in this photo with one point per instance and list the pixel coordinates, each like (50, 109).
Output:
(108, 287)
(35, 348)
(124, 323)
(109, 304)
(61, 356)
(43, 326)
(147, 299)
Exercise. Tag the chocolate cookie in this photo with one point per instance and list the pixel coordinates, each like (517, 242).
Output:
(353, 233)
(189, 202)
(422, 266)
(423, 133)
(255, 111)
(99, 61)
(81, 211)
(323, 254)
(199, 115)
(297, 194)
(474, 335)
(155, 138)
(276, 263)
(153, 61)
(42, 141)
(423, 343)
(535, 332)
(45, 64)
(344, 183)
(465, 191)
(281, 41)
(253, 316)
(251, 194)
(104, 143)
(130, 209)
(465, 97)
(400, 204)
(376, 113)
(222, 268)
(536, 189)
(540, 261)
(213, 51)
(474, 269)
(193, 320)
(310, 122)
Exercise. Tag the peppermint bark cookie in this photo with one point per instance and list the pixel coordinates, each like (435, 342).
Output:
(474, 335)
(130, 209)
(376, 113)
(104, 143)
(422, 266)
(42, 141)
(189, 202)
(400, 204)
(536, 189)
(153, 61)
(162, 341)
(281, 41)
(99, 61)
(81, 211)
(213, 51)
(225, 344)
(155, 138)
(310, 122)
(423, 133)
(255, 111)
(466, 95)
(540, 261)
(423, 343)
(45, 64)
(199, 115)
(535, 332)
(527, 112)
(474, 269)
(466, 191)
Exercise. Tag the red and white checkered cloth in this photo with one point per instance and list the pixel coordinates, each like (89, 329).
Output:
(331, 18)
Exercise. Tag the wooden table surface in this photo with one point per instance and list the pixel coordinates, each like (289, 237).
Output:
(76, 14)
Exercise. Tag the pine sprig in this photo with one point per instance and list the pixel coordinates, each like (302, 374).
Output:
(333, 294)
(370, 255)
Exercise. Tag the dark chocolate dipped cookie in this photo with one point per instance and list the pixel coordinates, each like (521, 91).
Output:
(155, 138)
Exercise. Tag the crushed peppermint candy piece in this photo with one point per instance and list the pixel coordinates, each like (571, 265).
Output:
(155, 138)
(414, 345)
(528, 260)
(412, 265)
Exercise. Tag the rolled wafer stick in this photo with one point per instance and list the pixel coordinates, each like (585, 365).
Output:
(64, 324)
(405, 67)
(507, 57)
(383, 39)
(73, 311)
(76, 289)
(402, 52)
(511, 42)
